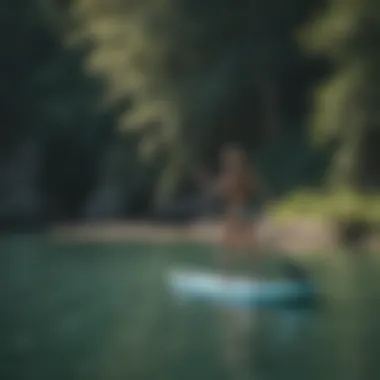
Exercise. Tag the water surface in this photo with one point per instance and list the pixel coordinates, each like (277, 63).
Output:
(101, 311)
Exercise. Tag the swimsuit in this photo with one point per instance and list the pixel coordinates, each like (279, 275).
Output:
(243, 213)
(248, 212)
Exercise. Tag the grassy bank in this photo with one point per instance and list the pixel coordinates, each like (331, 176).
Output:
(331, 206)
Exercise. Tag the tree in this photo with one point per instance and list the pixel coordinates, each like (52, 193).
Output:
(347, 105)
(47, 100)
(198, 73)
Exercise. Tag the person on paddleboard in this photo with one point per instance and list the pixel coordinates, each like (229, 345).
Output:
(237, 185)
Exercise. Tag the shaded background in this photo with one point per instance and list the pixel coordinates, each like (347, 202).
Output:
(107, 106)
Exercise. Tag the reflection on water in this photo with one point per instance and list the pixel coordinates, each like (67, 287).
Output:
(102, 312)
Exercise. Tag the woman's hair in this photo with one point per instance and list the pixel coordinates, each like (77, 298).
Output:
(233, 149)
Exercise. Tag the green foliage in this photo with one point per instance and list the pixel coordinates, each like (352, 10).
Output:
(346, 106)
(199, 74)
(46, 98)
(139, 91)
(332, 206)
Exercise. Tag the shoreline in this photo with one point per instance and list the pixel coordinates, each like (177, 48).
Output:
(296, 235)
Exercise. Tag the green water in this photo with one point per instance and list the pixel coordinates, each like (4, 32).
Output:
(100, 311)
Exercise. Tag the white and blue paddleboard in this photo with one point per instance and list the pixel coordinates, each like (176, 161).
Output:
(236, 291)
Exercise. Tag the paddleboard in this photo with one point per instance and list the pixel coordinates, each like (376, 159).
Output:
(236, 291)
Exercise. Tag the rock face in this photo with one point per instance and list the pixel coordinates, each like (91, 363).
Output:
(21, 200)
